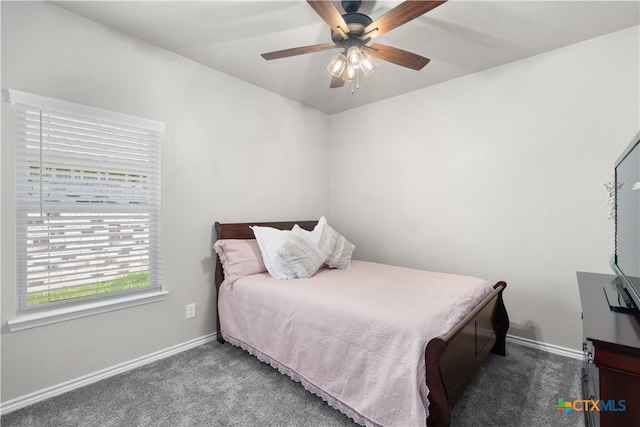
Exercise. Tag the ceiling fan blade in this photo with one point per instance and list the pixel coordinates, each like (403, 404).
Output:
(331, 16)
(401, 14)
(397, 56)
(297, 51)
(336, 82)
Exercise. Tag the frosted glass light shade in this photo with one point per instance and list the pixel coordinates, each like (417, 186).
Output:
(353, 56)
(350, 74)
(367, 64)
(337, 65)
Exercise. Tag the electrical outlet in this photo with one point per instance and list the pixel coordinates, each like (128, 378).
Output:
(191, 311)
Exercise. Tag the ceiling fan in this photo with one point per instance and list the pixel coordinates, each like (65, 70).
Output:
(352, 31)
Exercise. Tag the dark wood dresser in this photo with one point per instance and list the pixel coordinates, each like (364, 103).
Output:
(611, 371)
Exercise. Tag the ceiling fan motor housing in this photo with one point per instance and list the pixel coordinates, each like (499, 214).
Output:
(356, 22)
(351, 5)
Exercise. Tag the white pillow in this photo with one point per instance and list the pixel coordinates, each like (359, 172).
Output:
(298, 258)
(269, 241)
(300, 253)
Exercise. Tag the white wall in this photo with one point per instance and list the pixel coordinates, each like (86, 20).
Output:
(232, 152)
(497, 175)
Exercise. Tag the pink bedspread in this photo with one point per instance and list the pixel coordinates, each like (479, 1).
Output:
(354, 337)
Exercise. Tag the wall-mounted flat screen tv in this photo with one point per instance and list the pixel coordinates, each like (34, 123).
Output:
(627, 219)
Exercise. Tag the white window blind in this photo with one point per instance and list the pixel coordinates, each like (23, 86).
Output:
(88, 203)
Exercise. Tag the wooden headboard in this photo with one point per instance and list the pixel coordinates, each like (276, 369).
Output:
(241, 230)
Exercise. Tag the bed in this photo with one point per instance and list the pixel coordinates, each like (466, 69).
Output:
(447, 358)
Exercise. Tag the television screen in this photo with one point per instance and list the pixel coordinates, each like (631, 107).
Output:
(627, 238)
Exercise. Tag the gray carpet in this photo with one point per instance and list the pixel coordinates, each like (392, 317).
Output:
(221, 385)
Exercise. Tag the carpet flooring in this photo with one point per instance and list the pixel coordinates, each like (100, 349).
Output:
(221, 385)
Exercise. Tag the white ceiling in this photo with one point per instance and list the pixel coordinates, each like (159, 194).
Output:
(460, 38)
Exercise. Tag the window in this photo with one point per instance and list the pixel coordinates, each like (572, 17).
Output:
(88, 203)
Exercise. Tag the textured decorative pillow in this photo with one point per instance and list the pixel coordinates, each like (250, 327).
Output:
(301, 254)
(269, 240)
(316, 233)
(337, 249)
(239, 258)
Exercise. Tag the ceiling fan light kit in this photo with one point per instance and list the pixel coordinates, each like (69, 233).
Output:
(352, 31)
(347, 66)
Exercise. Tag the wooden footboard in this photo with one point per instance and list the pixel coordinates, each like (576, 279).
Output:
(451, 361)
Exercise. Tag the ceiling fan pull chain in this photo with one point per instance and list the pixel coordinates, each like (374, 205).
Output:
(355, 82)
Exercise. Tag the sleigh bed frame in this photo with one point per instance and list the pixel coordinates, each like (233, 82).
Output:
(451, 360)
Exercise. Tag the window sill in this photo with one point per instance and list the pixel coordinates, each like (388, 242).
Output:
(55, 315)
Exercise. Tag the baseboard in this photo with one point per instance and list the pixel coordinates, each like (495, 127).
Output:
(549, 348)
(56, 390)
